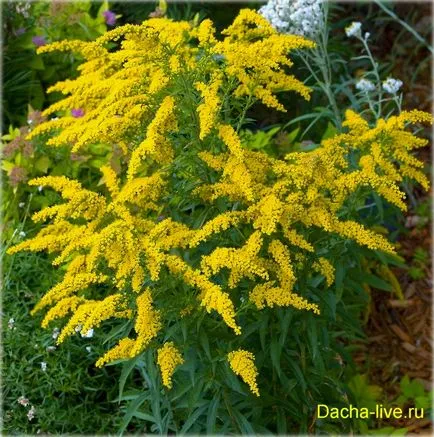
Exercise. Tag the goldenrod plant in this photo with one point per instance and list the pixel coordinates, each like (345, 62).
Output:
(207, 256)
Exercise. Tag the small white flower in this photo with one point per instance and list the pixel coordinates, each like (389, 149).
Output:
(21, 204)
(51, 348)
(40, 188)
(11, 323)
(43, 366)
(354, 29)
(365, 85)
(88, 348)
(22, 234)
(23, 401)
(367, 35)
(88, 334)
(29, 121)
(31, 413)
(391, 85)
(78, 328)
(56, 333)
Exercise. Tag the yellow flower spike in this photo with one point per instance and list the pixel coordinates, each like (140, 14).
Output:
(168, 359)
(121, 351)
(205, 33)
(61, 309)
(104, 310)
(326, 269)
(243, 364)
(110, 180)
(267, 295)
(218, 224)
(212, 297)
(211, 104)
(148, 322)
(156, 144)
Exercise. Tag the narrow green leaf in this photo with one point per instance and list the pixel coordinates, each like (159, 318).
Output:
(275, 351)
(243, 423)
(127, 368)
(190, 421)
(212, 415)
(131, 410)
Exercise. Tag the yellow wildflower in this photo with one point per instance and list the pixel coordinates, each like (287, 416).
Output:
(267, 295)
(243, 364)
(209, 108)
(324, 267)
(168, 359)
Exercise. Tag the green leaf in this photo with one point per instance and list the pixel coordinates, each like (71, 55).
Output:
(422, 402)
(36, 63)
(339, 280)
(293, 135)
(297, 373)
(132, 409)
(205, 343)
(313, 338)
(284, 325)
(192, 419)
(263, 331)
(275, 352)
(374, 281)
(127, 368)
(7, 166)
(144, 416)
(281, 422)
(42, 164)
(212, 415)
(330, 131)
(245, 426)
(366, 395)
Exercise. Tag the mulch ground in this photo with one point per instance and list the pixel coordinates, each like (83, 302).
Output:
(399, 332)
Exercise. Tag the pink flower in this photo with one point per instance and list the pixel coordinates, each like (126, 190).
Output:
(77, 113)
(39, 40)
(110, 17)
(23, 401)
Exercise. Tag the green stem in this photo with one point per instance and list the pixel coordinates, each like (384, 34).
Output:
(404, 25)
(376, 73)
(243, 114)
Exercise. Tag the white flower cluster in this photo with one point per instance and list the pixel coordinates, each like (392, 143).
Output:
(22, 400)
(296, 17)
(88, 334)
(391, 85)
(31, 413)
(365, 85)
(354, 29)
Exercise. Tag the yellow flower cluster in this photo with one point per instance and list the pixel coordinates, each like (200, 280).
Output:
(118, 246)
(119, 91)
(256, 56)
(243, 364)
(168, 359)
(324, 267)
(147, 326)
(209, 108)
